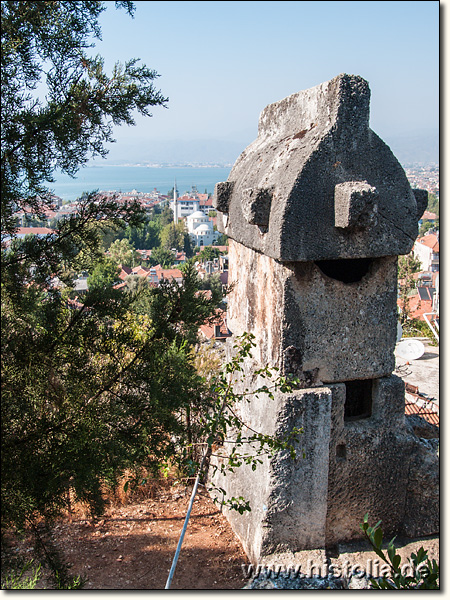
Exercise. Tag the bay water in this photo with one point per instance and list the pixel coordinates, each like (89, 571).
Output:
(141, 179)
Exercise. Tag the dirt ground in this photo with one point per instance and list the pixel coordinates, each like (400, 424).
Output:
(132, 546)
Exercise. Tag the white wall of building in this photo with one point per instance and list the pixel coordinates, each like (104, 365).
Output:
(428, 258)
(201, 229)
(185, 207)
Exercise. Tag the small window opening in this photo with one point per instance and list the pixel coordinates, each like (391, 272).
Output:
(358, 399)
(341, 451)
(346, 270)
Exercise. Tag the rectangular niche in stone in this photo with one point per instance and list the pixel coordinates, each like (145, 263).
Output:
(358, 399)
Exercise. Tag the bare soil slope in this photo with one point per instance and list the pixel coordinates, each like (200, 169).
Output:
(132, 546)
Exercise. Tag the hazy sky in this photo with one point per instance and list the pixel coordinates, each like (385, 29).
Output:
(221, 63)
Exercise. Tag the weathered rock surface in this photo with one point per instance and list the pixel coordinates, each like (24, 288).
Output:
(421, 427)
(287, 583)
(422, 505)
(309, 321)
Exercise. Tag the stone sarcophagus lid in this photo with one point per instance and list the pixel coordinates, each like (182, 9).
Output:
(317, 210)
(318, 183)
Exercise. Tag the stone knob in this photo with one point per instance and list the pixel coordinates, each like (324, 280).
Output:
(256, 203)
(355, 205)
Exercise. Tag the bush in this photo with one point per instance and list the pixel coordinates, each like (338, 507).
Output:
(425, 572)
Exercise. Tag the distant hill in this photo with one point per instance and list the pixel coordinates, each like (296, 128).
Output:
(420, 149)
(409, 149)
(177, 151)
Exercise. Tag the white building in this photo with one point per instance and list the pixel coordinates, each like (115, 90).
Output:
(183, 206)
(426, 249)
(201, 229)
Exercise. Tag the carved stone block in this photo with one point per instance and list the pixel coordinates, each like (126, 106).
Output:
(355, 205)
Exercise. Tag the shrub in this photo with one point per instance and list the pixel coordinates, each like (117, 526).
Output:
(425, 572)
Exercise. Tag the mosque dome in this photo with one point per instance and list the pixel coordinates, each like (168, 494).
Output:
(197, 215)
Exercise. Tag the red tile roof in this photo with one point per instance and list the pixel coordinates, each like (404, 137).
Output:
(169, 273)
(417, 307)
(124, 272)
(44, 210)
(418, 404)
(411, 408)
(431, 241)
(186, 198)
(209, 329)
(141, 271)
(34, 231)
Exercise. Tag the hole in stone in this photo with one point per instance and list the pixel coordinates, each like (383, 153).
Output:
(358, 399)
(348, 270)
(332, 550)
(341, 451)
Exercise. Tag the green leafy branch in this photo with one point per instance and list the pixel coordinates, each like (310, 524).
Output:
(222, 419)
(425, 572)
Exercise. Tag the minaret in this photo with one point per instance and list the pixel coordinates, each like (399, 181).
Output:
(175, 204)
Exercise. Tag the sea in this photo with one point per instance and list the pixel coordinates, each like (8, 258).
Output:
(141, 179)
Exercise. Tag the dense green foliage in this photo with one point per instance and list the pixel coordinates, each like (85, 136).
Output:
(122, 253)
(104, 274)
(209, 253)
(94, 387)
(433, 204)
(176, 237)
(425, 228)
(58, 103)
(407, 266)
(211, 282)
(161, 256)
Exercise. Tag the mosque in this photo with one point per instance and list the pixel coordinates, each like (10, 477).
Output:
(199, 226)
